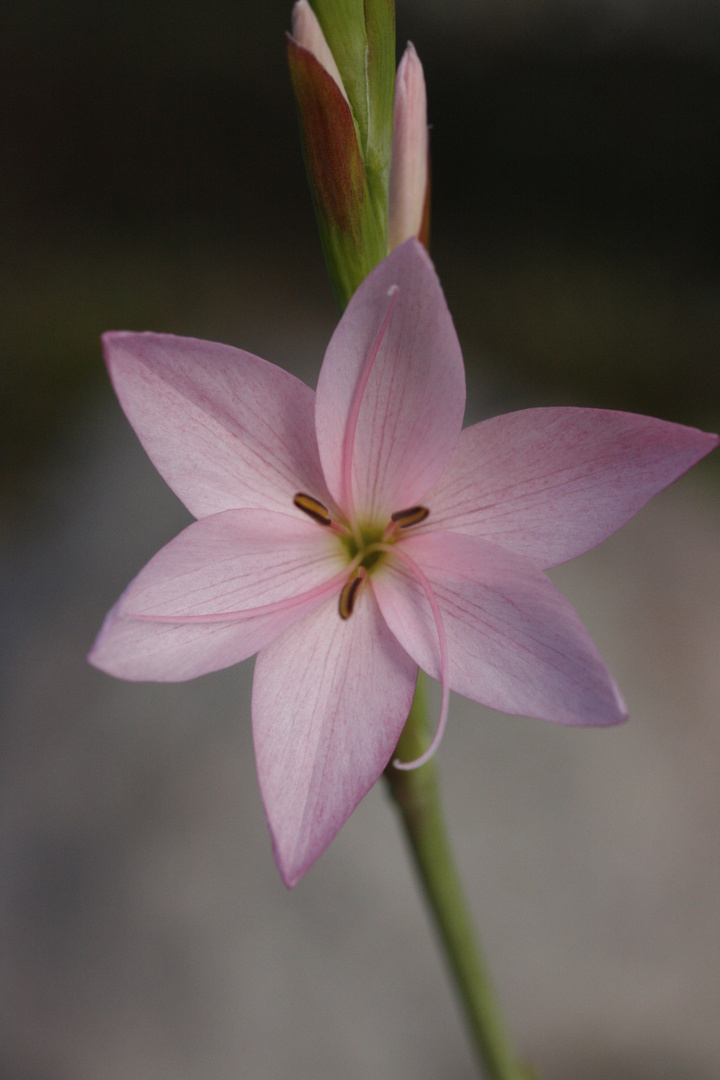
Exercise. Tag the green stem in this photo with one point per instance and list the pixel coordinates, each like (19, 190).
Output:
(416, 794)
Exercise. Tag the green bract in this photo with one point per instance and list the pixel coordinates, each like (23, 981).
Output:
(361, 36)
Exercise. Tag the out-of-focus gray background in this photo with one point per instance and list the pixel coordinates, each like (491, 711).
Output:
(150, 178)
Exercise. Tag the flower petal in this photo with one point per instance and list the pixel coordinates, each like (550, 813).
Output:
(226, 563)
(330, 698)
(224, 428)
(412, 406)
(552, 483)
(514, 642)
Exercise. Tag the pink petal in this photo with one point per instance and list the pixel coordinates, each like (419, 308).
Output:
(552, 483)
(223, 564)
(514, 642)
(412, 407)
(330, 698)
(224, 428)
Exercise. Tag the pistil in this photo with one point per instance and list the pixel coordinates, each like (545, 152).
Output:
(444, 660)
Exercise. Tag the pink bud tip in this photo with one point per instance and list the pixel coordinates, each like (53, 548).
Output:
(409, 163)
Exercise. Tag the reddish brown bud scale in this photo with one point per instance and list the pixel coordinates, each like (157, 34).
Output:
(332, 155)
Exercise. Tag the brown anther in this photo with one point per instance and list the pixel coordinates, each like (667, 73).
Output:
(413, 516)
(348, 596)
(313, 508)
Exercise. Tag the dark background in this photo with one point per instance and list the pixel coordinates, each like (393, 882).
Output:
(151, 178)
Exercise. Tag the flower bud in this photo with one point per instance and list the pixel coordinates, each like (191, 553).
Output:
(342, 63)
(409, 196)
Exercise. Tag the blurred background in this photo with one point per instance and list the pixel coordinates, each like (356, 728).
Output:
(151, 178)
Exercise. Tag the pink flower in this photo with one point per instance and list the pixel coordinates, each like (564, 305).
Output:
(349, 536)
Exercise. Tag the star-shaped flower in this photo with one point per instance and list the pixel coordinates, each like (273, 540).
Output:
(349, 535)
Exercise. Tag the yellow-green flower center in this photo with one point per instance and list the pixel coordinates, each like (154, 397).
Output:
(365, 545)
(358, 543)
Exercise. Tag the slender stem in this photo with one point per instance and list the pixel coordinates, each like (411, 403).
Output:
(416, 794)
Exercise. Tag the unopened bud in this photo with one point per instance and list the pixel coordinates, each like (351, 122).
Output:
(409, 204)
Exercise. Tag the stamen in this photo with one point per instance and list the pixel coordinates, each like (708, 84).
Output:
(413, 516)
(349, 594)
(389, 531)
(354, 411)
(313, 508)
(444, 664)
